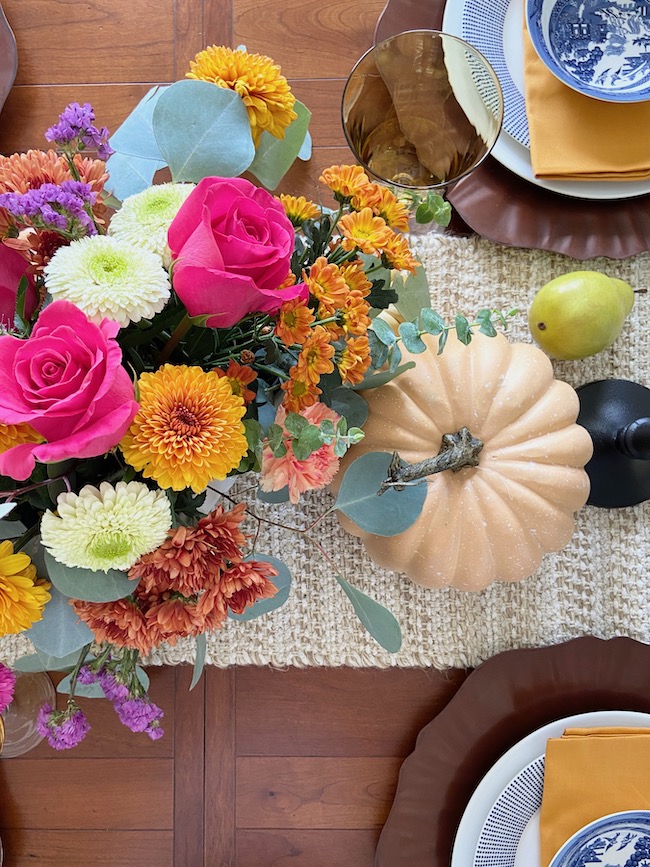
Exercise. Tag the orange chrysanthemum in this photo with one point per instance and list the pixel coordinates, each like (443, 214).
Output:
(298, 209)
(169, 617)
(326, 283)
(246, 583)
(298, 392)
(188, 430)
(294, 322)
(345, 181)
(257, 79)
(355, 277)
(398, 255)
(384, 204)
(22, 594)
(354, 317)
(16, 434)
(191, 559)
(289, 280)
(364, 231)
(239, 376)
(354, 360)
(121, 623)
(315, 358)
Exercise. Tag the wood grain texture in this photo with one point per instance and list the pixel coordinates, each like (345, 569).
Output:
(80, 848)
(188, 744)
(297, 848)
(220, 746)
(322, 792)
(362, 713)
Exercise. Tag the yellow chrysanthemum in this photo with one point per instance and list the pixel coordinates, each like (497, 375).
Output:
(298, 209)
(16, 434)
(22, 595)
(257, 79)
(364, 231)
(345, 181)
(188, 430)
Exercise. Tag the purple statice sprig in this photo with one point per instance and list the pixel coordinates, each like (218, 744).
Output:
(64, 207)
(64, 729)
(76, 130)
(140, 715)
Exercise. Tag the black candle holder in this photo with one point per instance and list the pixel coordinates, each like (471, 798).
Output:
(616, 412)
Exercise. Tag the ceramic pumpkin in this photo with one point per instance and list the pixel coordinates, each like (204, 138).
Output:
(493, 521)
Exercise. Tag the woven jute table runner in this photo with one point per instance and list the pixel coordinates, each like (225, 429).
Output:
(597, 585)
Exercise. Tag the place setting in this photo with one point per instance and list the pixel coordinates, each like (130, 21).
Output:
(587, 194)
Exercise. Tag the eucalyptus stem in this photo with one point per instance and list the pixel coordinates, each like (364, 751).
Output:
(457, 450)
(24, 539)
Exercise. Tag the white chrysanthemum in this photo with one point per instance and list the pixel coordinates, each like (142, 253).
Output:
(106, 528)
(108, 279)
(143, 219)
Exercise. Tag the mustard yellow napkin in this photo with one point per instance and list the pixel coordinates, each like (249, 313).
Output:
(575, 137)
(589, 773)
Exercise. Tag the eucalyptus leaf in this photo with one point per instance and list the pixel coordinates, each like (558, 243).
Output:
(383, 331)
(463, 330)
(143, 677)
(295, 423)
(283, 583)
(387, 515)
(432, 321)
(272, 497)
(410, 335)
(346, 402)
(382, 378)
(442, 341)
(274, 157)
(59, 632)
(130, 175)
(202, 130)
(135, 136)
(88, 585)
(199, 659)
(378, 350)
(40, 661)
(305, 148)
(394, 358)
(379, 621)
(87, 690)
(6, 508)
(11, 529)
(413, 294)
(308, 441)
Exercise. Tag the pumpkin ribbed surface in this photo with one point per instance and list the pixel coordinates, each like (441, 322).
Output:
(494, 521)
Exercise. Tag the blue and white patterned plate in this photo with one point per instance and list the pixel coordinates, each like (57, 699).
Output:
(598, 47)
(501, 836)
(495, 28)
(617, 840)
(511, 764)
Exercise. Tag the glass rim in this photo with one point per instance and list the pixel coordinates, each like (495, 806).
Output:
(446, 36)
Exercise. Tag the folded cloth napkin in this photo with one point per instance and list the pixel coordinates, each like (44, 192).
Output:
(590, 773)
(575, 137)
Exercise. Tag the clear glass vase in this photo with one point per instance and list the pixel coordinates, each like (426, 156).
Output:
(33, 689)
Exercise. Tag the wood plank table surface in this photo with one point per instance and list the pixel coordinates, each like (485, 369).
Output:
(257, 767)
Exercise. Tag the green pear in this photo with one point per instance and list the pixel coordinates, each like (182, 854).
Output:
(579, 314)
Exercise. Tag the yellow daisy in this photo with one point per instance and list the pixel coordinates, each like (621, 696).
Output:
(16, 434)
(257, 79)
(298, 209)
(188, 430)
(22, 595)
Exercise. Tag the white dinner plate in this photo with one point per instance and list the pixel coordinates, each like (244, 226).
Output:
(501, 775)
(495, 28)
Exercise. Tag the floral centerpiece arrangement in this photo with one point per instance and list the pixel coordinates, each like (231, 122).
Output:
(203, 330)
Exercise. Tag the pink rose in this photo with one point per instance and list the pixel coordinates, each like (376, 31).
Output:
(67, 381)
(12, 268)
(232, 245)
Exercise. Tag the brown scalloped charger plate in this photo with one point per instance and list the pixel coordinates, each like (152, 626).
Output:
(500, 206)
(502, 701)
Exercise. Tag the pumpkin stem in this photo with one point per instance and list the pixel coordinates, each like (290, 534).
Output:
(457, 450)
